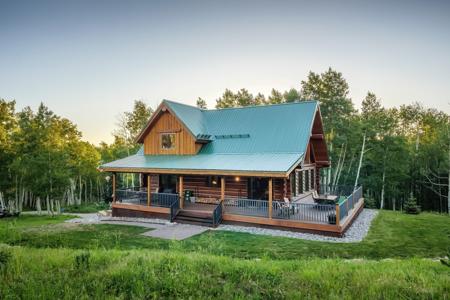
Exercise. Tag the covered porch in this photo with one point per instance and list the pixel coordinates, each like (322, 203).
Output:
(321, 208)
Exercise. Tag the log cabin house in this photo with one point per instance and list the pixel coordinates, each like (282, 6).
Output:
(255, 165)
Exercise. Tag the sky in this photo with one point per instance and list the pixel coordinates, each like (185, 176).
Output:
(88, 60)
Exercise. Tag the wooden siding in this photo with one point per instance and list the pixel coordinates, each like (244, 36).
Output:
(233, 188)
(167, 123)
(318, 145)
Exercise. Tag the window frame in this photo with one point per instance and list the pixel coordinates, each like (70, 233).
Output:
(173, 141)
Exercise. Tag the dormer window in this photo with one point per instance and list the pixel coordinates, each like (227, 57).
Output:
(167, 141)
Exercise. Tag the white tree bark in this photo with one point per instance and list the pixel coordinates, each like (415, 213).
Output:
(38, 205)
(2, 204)
(383, 180)
(360, 162)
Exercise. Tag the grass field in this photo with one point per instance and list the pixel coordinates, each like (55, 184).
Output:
(393, 235)
(49, 259)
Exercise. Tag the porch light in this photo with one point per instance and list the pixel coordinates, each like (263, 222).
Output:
(107, 178)
(237, 178)
(214, 182)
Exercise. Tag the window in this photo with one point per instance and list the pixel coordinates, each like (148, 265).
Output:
(167, 141)
(304, 180)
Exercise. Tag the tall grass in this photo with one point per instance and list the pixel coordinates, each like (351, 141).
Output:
(137, 274)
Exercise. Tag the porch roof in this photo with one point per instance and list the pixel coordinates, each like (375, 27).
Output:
(226, 164)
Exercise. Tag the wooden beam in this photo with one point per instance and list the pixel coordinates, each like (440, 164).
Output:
(114, 187)
(337, 214)
(270, 198)
(317, 136)
(323, 162)
(222, 188)
(149, 190)
(181, 192)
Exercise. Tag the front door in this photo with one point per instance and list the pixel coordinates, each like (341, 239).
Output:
(258, 188)
(168, 184)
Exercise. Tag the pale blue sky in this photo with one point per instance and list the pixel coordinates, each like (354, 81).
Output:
(88, 60)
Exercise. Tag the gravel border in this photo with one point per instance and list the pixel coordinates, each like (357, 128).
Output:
(356, 233)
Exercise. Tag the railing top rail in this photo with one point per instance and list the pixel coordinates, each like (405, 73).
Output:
(168, 194)
(130, 191)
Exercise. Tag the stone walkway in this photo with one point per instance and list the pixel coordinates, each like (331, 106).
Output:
(160, 228)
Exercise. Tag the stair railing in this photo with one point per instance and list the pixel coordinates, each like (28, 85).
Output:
(217, 215)
(174, 207)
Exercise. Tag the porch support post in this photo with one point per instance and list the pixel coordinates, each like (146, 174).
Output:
(149, 190)
(222, 189)
(338, 214)
(181, 192)
(270, 198)
(114, 187)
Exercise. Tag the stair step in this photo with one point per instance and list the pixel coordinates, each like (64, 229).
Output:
(195, 214)
(194, 221)
(200, 220)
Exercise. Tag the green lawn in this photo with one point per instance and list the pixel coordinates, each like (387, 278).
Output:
(137, 274)
(393, 235)
(43, 258)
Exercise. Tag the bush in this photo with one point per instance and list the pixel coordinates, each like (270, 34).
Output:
(411, 206)
(369, 201)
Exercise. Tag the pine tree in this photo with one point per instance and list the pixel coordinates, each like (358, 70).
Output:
(410, 206)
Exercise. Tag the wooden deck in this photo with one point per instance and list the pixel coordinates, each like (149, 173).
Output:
(303, 214)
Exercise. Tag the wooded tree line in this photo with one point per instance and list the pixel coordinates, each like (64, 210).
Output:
(44, 164)
(392, 152)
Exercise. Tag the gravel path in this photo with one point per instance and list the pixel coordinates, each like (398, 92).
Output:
(356, 233)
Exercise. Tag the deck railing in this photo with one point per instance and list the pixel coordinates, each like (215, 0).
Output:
(140, 198)
(247, 207)
(131, 196)
(349, 203)
(306, 212)
(163, 199)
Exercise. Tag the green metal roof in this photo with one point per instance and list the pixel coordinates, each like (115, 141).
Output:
(261, 162)
(255, 129)
(254, 138)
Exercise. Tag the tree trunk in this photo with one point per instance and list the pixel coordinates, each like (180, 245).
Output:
(47, 203)
(342, 165)
(81, 190)
(383, 180)
(382, 189)
(2, 204)
(360, 162)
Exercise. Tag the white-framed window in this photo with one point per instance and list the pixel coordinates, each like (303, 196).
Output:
(167, 141)
(305, 180)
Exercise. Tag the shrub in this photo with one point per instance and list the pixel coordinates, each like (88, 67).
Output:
(411, 206)
(369, 201)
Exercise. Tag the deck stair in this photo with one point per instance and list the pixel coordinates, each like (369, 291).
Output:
(196, 216)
